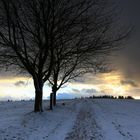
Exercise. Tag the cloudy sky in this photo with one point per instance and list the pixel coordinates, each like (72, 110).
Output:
(124, 80)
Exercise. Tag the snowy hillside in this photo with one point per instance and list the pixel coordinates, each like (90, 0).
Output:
(80, 119)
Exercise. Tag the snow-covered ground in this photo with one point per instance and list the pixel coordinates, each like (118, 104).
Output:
(79, 119)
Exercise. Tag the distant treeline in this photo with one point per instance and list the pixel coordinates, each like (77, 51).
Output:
(111, 97)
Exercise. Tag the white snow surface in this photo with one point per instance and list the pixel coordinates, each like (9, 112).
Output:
(78, 119)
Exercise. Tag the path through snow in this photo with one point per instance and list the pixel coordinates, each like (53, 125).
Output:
(85, 127)
(80, 119)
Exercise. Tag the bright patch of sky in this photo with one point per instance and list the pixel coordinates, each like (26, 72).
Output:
(19, 88)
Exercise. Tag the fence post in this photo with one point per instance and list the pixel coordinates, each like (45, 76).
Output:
(51, 101)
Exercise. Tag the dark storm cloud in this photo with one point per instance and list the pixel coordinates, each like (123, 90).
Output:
(128, 82)
(20, 83)
(127, 59)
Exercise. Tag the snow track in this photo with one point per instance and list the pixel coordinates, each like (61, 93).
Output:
(85, 127)
(81, 119)
(119, 119)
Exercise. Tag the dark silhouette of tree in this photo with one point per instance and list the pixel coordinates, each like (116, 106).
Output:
(111, 97)
(31, 29)
(129, 97)
(34, 32)
(104, 97)
(27, 40)
(90, 41)
(121, 97)
(68, 69)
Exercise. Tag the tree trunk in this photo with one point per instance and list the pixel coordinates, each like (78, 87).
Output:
(54, 98)
(38, 96)
(38, 101)
(54, 90)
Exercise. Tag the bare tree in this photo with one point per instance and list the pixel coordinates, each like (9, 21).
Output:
(67, 70)
(26, 39)
(32, 32)
(92, 38)
(31, 29)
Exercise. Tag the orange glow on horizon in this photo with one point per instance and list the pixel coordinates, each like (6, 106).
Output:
(107, 83)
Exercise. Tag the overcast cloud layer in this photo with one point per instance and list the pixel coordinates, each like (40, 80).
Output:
(126, 61)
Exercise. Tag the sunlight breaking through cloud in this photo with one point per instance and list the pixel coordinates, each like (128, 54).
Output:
(112, 83)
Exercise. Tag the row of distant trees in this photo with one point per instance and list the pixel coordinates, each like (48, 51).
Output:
(56, 41)
(111, 97)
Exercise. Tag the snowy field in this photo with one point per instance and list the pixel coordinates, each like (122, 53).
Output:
(79, 119)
